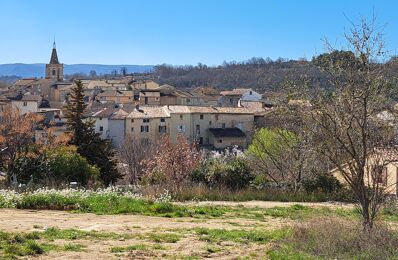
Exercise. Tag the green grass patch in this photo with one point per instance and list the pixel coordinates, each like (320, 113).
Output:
(74, 234)
(141, 247)
(240, 236)
(163, 237)
(74, 247)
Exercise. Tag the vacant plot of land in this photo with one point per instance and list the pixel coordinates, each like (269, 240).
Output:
(246, 230)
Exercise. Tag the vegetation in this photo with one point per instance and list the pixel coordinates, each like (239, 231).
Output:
(172, 163)
(16, 137)
(275, 153)
(333, 238)
(55, 166)
(89, 144)
(233, 174)
(347, 126)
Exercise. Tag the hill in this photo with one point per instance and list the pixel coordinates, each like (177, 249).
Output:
(37, 69)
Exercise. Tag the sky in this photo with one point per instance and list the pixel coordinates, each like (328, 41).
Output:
(181, 32)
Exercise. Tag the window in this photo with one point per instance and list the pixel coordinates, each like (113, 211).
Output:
(144, 141)
(53, 72)
(188, 100)
(144, 129)
(145, 120)
(209, 122)
(101, 128)
(219, 141)
(181, 117)
(146, 100)
(162, 120)
(100, 118)
(200, 140)
(216, 117)
(223, 125)
(132, 120)
(251, 93)
(198, 129)
(201, 116)
(162, 129)
(379, 174)
(181, 128)
(25, 104)
(156, 98)
(132, 129)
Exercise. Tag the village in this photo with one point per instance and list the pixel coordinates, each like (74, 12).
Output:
(198, 130)
(142, 108)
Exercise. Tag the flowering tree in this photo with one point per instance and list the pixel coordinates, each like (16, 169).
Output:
(174, 161)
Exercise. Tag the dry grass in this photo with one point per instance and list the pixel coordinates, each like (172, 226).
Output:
(337, 238)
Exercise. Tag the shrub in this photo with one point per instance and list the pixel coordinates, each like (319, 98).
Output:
(322, 182)
(215, 173)
(334, 238)
(56, 166)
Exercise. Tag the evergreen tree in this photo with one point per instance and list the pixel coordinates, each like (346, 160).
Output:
(89, 144)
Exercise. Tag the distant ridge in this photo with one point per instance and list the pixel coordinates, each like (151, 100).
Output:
(38, 69)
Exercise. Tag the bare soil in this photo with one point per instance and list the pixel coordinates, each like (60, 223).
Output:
(13, 220)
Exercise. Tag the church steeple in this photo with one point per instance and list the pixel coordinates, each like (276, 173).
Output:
(55, 70)
(54, 56)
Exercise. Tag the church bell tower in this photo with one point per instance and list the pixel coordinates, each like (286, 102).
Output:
(55, 70)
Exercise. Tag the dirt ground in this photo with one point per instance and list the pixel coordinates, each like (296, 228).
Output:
(13, 220)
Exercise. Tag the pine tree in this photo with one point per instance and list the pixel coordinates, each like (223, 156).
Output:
(75, 114)
(89, 144)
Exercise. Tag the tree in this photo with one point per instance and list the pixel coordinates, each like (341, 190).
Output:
(280, 155)
(174, 161)
(55, 166)
(348, 129)
(132, 152)
(16, 137)
(97, 151)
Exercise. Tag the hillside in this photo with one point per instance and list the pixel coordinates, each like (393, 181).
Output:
(37, 69)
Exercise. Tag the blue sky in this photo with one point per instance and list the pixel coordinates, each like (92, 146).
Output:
(179, 31)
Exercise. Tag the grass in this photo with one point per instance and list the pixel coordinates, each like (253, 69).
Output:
(17, 245)
(163, 237)
(114, 204)
(75, 234)
(336, 238)
(73, 247)
(203, 193)
(240, 236)
(141, 247)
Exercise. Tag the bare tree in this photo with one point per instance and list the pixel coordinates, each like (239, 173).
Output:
(348, 128)
(133, 152)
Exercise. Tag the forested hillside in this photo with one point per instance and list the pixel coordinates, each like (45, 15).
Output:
(257, 73)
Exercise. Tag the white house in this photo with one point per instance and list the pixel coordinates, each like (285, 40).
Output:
(27, 104)
(231, 97)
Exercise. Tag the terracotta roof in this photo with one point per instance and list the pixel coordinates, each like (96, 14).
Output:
(227, 132)
(120, 114)
(25, 82)
(117, 93)
(111, 113)
(31, 98)
(149, 112)
(208, 110)
(235, 92)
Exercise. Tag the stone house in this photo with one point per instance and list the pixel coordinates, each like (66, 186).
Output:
(231, 98)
